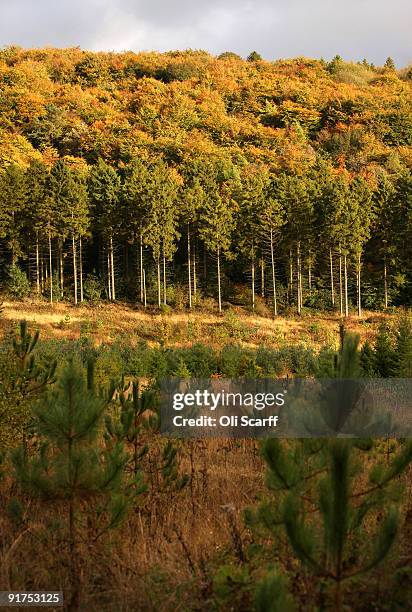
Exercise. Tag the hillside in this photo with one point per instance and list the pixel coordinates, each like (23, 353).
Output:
(179, 174)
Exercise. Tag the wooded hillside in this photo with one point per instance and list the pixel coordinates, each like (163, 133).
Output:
(151, 176)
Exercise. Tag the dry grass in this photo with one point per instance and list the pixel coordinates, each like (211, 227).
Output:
(108, 321)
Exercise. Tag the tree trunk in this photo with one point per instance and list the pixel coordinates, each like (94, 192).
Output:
(332, 283)
(345, 269)
(194, 273)
(262, 275)
(310, 276)
(109, 280)
(74, 268)
(42, 271)
(141, 270)
(112, 268)
(37, 264)
(358, 285)
(189, 266)
(340, 284)
(385, 281)
(290, 277)
(204, 268)
(81, 268)
(50, 269)
(159, 290)
(272, 255)
(253, 278)
(218, 279)
(61, 273)
(164, 282)
(144, 288)
(298, 277)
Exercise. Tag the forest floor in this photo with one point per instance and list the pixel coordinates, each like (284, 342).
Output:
(109, 321)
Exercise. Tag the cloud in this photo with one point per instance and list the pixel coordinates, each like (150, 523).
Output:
(276, 28)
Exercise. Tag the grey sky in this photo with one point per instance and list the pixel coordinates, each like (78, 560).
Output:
(276, 28)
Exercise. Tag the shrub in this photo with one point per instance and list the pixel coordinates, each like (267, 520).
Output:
(18, 284)
(201, 360)
(93, 289)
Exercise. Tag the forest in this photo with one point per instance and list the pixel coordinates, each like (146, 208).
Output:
(161, 178)
(194, 216)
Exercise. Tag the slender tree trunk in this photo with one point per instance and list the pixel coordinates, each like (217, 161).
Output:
(189, 266)
(340, 284)
(272, 256)
(109, 280)
(385, 281)
(253, 278)
(51, 269)
(37, 264)
(144, 288)
(204, 268)
(74, 268)
(332, 283)
(298, 276)
(290, 277)
(141, 269)
(81, 268)
(218, 279)
(159, 290)
(42, 282)
(358, 285)
(310, 276)
(262, 275)
(194, 273)
(112, 268)
(345, 270)
(164, 281)
(61, 272)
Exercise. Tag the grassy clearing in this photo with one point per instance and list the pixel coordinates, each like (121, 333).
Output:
(108, 322)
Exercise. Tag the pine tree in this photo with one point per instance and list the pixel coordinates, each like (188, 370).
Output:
(217, 216)
(389, 64)
(251, 200)
(104, 193)
(192, 200)
(403, 347)
(271, 219)
(161, 232)
(386, 212)
(322, 476)
(13, 192)
(23, 381)
(297, 196)
(361, 214)
(37, 177)
(136, 196)
(73, 467)
(384, 356)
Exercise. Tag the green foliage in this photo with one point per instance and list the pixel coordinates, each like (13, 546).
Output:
(319, 478)
(254, 57)
(23, 381)
(71, 464)
(384, 356)
(18, 285)
(93, 289)
(272, 596)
